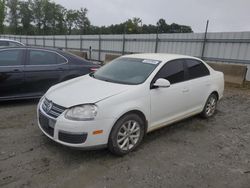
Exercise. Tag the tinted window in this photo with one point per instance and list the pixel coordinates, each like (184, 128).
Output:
(196, 69)
(61, 59)
(173, 71)
(10, 57)
(14, 44)
(37, 57)
(4, 43)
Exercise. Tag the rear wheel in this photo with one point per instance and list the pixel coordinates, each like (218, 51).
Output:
(126, 134)
(210, 106)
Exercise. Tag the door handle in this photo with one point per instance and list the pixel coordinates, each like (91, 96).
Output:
(16, 70)
(185, 90)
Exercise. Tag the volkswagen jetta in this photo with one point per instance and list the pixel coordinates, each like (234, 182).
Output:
(127, 98)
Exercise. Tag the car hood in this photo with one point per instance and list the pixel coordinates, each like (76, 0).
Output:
(83, 90)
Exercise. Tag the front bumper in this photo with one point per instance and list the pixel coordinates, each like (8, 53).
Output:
(77, 134)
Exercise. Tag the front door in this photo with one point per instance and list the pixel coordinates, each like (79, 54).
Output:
(169, 104)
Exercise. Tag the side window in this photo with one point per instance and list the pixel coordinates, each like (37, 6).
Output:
(4, 43)
(173, 71)
(11, 57)
(196, 69)
(61, 59)
(14, 44)
(40, 57)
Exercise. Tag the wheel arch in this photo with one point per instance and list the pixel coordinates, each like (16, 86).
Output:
(216, 93)
(137, 112)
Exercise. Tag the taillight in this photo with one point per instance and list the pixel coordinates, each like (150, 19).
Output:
(93, 69)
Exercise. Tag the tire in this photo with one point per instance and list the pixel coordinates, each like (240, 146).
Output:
(210, 106)
(126, 134)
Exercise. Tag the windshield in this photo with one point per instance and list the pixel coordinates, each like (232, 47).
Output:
(130, 71)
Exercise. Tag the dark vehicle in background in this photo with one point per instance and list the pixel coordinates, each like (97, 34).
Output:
(27, 72)
(10, 43)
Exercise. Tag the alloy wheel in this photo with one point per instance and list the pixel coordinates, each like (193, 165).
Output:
(128, 135)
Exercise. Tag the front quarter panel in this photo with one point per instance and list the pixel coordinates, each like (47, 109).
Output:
(134, 99)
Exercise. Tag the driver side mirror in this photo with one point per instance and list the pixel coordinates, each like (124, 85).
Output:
(161, 83)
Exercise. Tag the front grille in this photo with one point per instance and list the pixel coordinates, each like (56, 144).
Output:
(46, 124)
(72, 138)
(52, 109)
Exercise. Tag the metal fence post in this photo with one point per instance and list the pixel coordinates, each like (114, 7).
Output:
(35, 40)
(124, 39)
(90, 52)
(99, 49)
(123, 44)
(66, 42)
(43, 41)
(26, 40)
(54, 41)
(80, 42)
(204, 41)
(156, 42)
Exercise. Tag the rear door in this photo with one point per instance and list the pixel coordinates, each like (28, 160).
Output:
(11, 73)
(198, 80)
(43, 69)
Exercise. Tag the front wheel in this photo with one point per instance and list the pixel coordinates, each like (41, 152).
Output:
(210, 106)
(126, 134)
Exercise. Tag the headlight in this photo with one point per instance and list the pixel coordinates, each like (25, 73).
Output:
(84, 112)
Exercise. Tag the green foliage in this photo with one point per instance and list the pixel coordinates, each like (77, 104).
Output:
(2, 15)
(45, 17)
(82, 21)
(26, 16)
(13, 19)
(71, 20)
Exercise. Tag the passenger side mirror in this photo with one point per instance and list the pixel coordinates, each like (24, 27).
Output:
(161, 83)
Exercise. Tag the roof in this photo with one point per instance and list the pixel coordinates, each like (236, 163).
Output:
(33, 47)
(159, 56)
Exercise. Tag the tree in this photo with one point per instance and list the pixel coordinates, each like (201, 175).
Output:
(26, 16)
(83, 22)
(13, 15)
(58, 19)
(60, 14)
(175, 28)
(2, 15)
(36, 7)
(163, 27)
(71, 20)
(48, 21)
(49, 18)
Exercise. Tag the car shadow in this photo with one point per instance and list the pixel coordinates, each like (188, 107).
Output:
(192, 124)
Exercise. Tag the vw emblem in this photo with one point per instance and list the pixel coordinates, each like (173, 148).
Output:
(49, 106)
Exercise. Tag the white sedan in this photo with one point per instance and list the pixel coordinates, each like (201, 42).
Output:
(127, 98)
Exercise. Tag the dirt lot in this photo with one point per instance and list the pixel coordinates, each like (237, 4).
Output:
(192, 153)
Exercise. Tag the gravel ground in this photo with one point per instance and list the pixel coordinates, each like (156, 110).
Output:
(191, 153)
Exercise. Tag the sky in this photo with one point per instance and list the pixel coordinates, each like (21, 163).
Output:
(223, 15)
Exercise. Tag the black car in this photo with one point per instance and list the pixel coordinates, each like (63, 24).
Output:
(27, 72)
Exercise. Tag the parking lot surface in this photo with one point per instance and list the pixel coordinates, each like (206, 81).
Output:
(192, 153)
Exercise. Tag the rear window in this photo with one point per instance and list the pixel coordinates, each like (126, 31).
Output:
(41, 57)
(196, 69)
